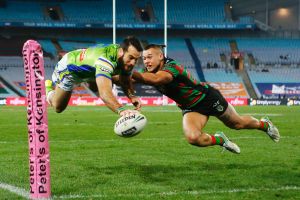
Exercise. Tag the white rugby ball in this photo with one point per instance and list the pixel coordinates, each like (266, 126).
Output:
(128, 126)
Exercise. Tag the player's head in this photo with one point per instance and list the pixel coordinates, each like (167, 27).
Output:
(153, 57)
(131, 52)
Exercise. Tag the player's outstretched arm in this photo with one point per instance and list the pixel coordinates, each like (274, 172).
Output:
(104, 85)
(158, 78)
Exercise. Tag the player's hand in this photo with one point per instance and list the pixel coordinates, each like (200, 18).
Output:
(128, 112)
(136, 102)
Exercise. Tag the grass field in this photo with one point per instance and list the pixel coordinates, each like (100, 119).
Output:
(88, 161)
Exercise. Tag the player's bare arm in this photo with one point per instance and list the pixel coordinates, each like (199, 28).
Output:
(105, 92)
(158, 78)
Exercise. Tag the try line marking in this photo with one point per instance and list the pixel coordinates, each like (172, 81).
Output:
(16, 190)
(23, 193)
(141, 139)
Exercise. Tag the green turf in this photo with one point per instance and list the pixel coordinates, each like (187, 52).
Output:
(89, 161)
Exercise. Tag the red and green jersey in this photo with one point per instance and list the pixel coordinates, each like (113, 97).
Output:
(185, 90)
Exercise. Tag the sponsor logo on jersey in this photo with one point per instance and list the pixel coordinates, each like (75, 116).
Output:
(104, 65)
(82, 55)
(105, 69)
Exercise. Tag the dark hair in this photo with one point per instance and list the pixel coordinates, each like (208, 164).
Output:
(131, 40)
(160, 46)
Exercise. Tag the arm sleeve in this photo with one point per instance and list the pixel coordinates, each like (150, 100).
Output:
(104, 68)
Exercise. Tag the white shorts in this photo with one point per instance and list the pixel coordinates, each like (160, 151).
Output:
(61, 75)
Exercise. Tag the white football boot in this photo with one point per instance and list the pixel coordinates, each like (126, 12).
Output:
(228, 145)
(272, 131)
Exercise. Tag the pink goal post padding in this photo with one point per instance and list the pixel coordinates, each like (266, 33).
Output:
(37, 121)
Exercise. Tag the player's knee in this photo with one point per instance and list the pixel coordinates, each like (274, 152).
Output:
(59, 109)
(193, 137)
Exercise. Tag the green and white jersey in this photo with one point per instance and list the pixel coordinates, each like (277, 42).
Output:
(86, 64)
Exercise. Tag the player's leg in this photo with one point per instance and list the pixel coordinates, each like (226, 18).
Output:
(194, 122)
(235, 121)
(63, 80)
(59, 99)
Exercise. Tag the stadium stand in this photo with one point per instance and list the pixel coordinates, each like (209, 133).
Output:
(70, 46)
(5, 91)
(48, 47)
(271, 51)
(209, 51)
(181, 12)
(11, 12)
(87, 11)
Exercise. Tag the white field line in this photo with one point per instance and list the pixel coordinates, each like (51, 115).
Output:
(23, 193)
(16, 190)
(151, 122)
(140, 139)
(263, 114)
(175, 193)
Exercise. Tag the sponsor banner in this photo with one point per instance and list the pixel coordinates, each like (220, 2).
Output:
(16, 101)
(230, 89)
(276, 90)
(237, 101)
(150, 101)
(291, 102)
(267, 102)
(129, 25)
(2, 101)
(154, 101)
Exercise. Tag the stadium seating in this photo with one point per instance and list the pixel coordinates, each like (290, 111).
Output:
(209, 50)
(14, 73)
(70, 46)
(271, 51)
(181, 12)
(21, 11)
(5, 91)
(87, 11)
(100, 12)
(221, 75)
(48, 46)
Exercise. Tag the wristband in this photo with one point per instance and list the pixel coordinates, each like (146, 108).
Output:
(120, 109)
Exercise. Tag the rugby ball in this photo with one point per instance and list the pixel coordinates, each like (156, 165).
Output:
(128, 126)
